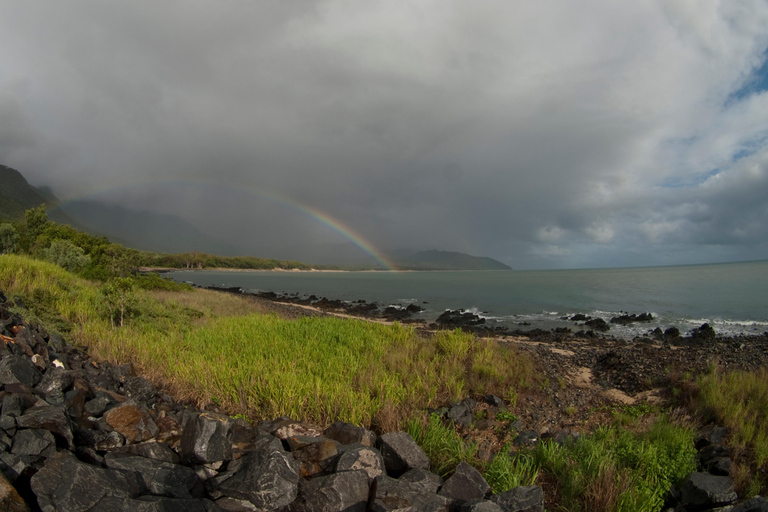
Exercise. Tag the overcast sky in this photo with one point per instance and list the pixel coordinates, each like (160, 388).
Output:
(546, 134)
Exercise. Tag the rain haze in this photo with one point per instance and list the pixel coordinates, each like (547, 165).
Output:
(543, 134)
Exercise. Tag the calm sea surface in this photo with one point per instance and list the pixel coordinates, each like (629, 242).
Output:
(733, 297)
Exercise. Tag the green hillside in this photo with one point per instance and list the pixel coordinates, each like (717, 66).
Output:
(16, 194)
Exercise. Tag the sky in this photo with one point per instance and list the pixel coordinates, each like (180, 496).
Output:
(548, 134)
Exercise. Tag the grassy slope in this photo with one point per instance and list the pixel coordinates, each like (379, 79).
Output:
(213, 347)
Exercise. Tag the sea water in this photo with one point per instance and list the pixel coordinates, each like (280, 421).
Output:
(731, 297)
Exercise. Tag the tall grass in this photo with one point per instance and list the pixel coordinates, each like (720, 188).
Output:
(617, 470)
(213, 347)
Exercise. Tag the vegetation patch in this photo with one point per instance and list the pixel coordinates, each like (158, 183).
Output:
(316, 369)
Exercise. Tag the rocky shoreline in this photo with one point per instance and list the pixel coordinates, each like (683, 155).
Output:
(81, 435)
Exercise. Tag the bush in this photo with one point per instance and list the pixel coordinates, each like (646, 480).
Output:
(66, 255)
(9, 238)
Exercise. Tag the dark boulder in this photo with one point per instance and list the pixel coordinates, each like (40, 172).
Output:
(459, 318)
(140, 389)
(346, 433)
(401, 453)
(157, 477)
(702, 490)
(19, 369)
(34, 441)
(65, 483)
(10, 500)
(465, 484)
(598, 324)
(631, 319)
(388, 494)
(207, 438)
(526, 498)
(268, 479)
(340, 492)
(150, 450)
(424, 480)
(51, 418)
(703, 333)
(358, 457)
(479, 505)
(756, 504)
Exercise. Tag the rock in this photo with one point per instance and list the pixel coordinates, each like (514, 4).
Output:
(703, 333)
(494, 401)
(150, 450)
(460, 415)
(526, 438)
(756, 504)
(19, 369)
(132, 421)
(34, 442)
(10, 500)
(140, 389)
(207, 438)
(51, 418)
(315, 457)
(711, 434)
(424, 480)
(65, 483)
(15, 466)
(598, 324)
(55, 380)
(671, 333)
(526, 498)
(340, 492)
(388, 494)
(359, 457)
(294, 429)
(98, 439)
(465, 484)
(480, 506)
(158, 477)
(268, 479)
(401, 453)
(74, 402)
(153, 504)
(701, 490)
(630, 319)
(346, 433)
(459, 318)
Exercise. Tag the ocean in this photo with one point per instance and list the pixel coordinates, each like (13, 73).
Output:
(731, 297)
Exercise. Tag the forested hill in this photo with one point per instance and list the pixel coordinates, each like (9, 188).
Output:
(447, 260)
(18, 196)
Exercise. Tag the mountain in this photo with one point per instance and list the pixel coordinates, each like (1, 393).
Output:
(145, 230)
(447, 260)
(18, 196)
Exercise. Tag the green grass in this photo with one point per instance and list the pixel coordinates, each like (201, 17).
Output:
(321, 369)
(613, 469)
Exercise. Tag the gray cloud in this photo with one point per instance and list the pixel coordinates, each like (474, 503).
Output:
(583, 134)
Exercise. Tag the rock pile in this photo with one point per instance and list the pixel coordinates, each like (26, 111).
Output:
(77, 435)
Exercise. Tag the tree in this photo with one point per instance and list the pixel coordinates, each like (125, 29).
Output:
(9, 238)
(66, 255)
(118, 297)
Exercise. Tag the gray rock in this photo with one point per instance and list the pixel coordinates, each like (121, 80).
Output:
(8, 424)
(347, 492)
(19, 369)
(480, 506)
(99, 439)
(233, 505)
(268, 479)
(460, 414)
(401, 453)
(56, 380)
(51, 418)
(360, 457)
(150, 504)
(99, 404)
(705, 490)
(526, 498)
(465, 484)
(34, 442)
(388, 494)
(207, 438)
(346, 433)
(140, 389)
(14, 466)
(65, 483)
(756, 504)
(150, 450)
(424, 480)
(158, 477)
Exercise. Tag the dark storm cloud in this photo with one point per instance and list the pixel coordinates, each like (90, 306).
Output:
(543, 134)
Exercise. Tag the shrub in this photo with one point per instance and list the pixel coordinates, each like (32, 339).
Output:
(9, 238)
(66, 255)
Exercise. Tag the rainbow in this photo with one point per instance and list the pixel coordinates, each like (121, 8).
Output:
(314, 213)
